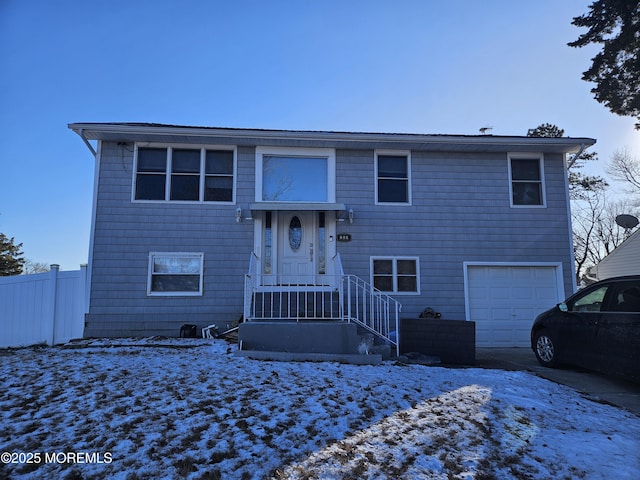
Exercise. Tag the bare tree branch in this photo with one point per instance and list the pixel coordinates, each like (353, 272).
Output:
(625, 168)
(595, 231)
(31, 266)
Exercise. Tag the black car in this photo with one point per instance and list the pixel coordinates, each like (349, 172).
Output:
(597, 328)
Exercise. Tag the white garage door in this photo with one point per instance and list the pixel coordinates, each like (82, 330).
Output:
(504, 301)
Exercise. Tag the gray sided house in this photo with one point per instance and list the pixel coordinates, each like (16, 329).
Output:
(318, 230)
(624, 260)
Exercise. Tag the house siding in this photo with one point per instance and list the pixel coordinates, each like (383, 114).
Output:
(125, 233)
(624, 260)
(460, 212)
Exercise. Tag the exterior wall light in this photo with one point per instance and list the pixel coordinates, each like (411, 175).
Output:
(240, 217)
(351, 215)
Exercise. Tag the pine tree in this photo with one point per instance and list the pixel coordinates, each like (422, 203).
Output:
(546, 130)
(616, 69)
(11, 261)
(580, 185)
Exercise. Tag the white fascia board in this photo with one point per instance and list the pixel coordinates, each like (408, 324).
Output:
(101, 131)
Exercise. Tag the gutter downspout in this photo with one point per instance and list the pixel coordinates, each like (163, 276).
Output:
(574, 282)
(576, 156)
(90, 147)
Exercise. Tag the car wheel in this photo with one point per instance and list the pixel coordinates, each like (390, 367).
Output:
(545, 350)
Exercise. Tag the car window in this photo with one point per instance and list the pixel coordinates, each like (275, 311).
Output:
(590, 302)
(626, 297)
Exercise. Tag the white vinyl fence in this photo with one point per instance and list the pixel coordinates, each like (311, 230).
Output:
(43, 307)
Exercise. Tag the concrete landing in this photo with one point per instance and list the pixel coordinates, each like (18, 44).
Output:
(315, 337)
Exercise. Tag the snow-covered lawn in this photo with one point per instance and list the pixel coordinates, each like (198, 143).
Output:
(134, 411)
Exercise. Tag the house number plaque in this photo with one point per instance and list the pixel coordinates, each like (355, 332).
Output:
(344, 237)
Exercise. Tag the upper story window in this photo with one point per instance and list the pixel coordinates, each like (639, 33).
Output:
(527, 180)
(151, 177)
(393, 182)
(185, 174)
(295, 175)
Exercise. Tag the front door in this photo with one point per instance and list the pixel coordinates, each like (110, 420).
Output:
(297, 248)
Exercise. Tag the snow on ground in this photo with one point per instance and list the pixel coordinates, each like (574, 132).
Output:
(135, 409)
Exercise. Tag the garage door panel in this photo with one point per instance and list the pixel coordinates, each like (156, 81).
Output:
(504, 300)
(483, 313)
(544, 273)
(522, 274)
(498, 293)
(527, 314)
(499, 313)
(523, 293)
(498, 276)
(479, 293)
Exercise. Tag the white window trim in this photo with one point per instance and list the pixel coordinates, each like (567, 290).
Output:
(167, 192)
(397, 153)
(530, 156)
(395, 273)
(328, 153)
(198, 255)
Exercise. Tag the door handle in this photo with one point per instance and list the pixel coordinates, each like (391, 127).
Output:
(311, 252)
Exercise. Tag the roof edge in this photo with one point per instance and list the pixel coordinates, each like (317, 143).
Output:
(99, 131)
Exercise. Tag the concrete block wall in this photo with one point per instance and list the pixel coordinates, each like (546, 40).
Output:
(454, 341)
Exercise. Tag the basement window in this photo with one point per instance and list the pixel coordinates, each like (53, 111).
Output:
(395, 274)
(175, 274)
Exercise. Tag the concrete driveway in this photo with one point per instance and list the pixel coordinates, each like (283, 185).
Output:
(594, 386)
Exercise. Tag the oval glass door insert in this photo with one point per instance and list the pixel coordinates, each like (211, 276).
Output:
(295, 233)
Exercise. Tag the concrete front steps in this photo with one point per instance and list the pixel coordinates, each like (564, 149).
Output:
(308, 341)
(353, 359)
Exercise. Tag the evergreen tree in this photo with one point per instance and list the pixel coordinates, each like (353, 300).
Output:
(11, 261)
(580, 184)
(616, 69)
(546, 130)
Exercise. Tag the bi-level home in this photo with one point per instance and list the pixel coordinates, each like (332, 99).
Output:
(203, 226)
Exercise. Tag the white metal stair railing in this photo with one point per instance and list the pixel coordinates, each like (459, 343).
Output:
(368, 307)
(289, 297)
(251, 281)
(372, 309)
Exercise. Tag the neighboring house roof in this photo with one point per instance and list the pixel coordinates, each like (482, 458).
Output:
(153, 132)
(624, 260)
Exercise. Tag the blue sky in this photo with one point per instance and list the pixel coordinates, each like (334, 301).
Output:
(414, 66)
